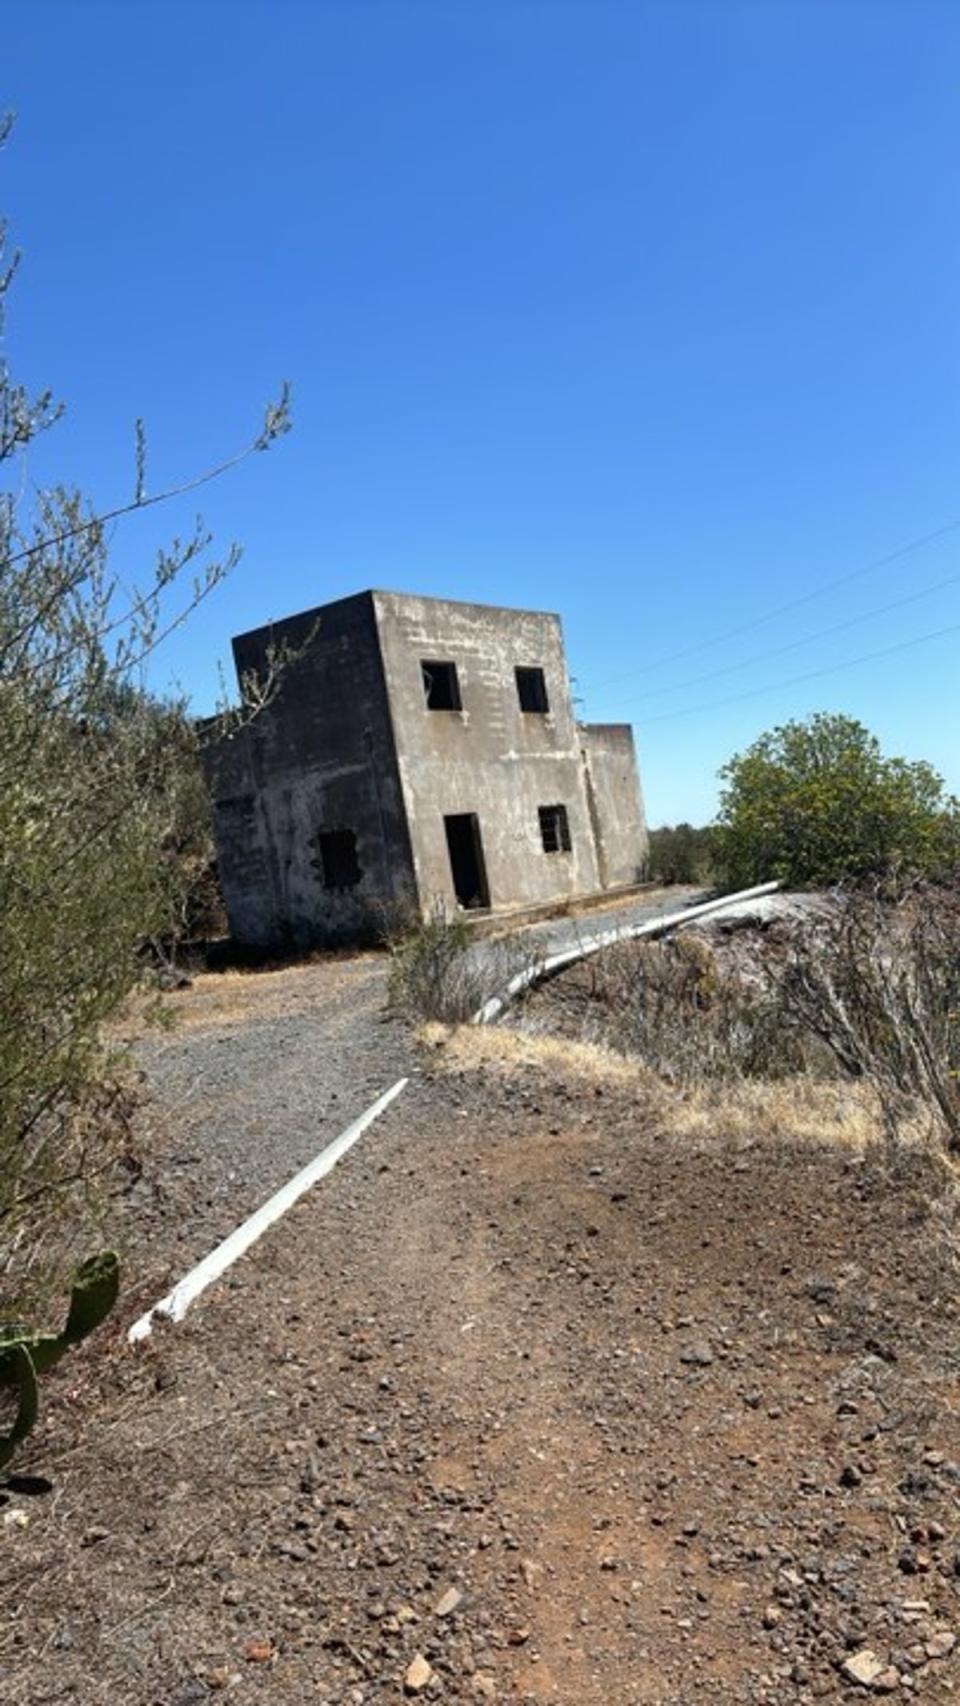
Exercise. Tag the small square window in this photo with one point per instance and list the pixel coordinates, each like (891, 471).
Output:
(532, 690)
(554, 829)
(339, 865)
(440, 685)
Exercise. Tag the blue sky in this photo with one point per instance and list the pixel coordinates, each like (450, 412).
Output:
(645, 313)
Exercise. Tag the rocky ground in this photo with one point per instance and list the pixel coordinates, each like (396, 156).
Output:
(529, 1400)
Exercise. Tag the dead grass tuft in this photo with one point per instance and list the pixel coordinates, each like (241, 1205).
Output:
(798, 1109)
(787, 1109)
(474, 1048)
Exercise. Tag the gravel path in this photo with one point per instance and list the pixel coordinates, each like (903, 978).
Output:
(559, 933)
(528, 1402)
(259, 1072)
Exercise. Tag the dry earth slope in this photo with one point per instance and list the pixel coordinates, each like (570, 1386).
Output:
(530, 1400)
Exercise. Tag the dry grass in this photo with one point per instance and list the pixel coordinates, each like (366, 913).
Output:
(798, 1109)
(216, 1000)
(477, 1048)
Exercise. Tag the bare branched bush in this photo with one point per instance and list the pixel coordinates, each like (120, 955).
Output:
(878, 982)
(670, 1005)
(440, 972)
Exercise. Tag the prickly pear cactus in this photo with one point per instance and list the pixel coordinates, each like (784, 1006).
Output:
(25, 1355)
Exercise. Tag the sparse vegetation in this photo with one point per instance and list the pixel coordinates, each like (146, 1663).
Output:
(687, 1014)
(98, 820)
(860, 995)
(441, 972)
(878, 984)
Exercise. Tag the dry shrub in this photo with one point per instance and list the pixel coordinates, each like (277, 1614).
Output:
(878, 983)
(852, 1009)
(672, 1005)
(440, 972)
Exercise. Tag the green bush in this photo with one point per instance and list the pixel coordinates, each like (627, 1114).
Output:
(816, 803)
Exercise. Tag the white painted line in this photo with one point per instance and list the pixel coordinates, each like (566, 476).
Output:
(493, 1008)
(175, 1305)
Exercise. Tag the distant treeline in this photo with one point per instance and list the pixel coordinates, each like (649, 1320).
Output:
(679, 853)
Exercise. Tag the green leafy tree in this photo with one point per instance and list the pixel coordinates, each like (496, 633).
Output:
(816, 802)
(95, 793)
(680, 853)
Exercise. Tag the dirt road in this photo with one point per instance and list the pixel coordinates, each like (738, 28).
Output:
(528, 1401)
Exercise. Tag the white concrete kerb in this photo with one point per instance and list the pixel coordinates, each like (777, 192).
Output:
(175, 1305)
(532, 974)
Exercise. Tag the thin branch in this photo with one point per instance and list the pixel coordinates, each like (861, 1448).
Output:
(276, 422)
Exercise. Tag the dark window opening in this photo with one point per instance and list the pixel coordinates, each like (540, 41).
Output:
(339, 866)
(554, 829)
(532, 690)
(440, 686)
(467, 865)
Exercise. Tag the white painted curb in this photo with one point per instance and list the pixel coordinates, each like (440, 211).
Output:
(493, 1008)
(175, 1305)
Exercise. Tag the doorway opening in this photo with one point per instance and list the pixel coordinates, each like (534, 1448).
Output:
(466, 860)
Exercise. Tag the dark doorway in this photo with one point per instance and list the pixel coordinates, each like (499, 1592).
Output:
(466, 859)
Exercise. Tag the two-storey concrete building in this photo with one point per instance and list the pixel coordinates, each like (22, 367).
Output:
(417, 752)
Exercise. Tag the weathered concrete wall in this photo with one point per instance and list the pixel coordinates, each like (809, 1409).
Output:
(320, 758)
(490, 758)
(349, 748)
(615, 801)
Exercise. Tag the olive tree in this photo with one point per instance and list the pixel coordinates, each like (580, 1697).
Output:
(92, 778)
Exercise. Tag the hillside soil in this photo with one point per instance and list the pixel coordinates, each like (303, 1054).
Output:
(530, 1400)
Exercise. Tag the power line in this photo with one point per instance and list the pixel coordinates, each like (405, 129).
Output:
(792, 604)
(796, 680)
(792, 645)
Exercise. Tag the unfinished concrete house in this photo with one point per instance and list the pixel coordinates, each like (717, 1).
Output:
(418, 752)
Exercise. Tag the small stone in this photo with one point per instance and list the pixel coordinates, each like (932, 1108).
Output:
(258, 1652)
(888, 1681)
(940, 1644)
(483, 1685)
(864, 1667)
(771, 1616)
(532, 1574)
(697, 1356)
(448, 1602)
(418, 1674)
